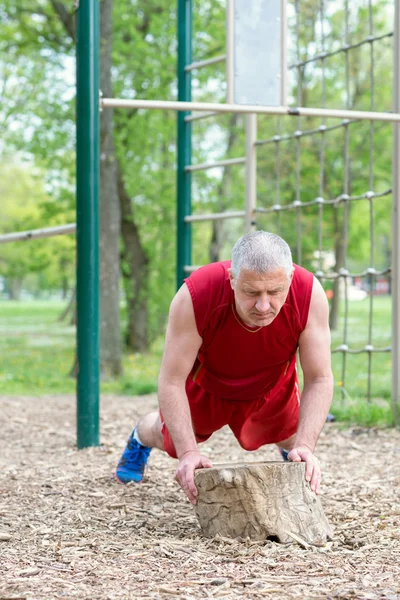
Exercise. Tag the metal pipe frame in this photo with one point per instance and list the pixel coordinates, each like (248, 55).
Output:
(34, 234)
(283, 73)
(396, 226)
(234, 214)
(229, 66)
(87, 219)
(204, 63)
(213, 165)
(251, 172)
(357, 115)
(184, 141)
(205, 115)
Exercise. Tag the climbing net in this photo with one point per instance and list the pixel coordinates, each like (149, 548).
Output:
(325, 185)
(316, 61)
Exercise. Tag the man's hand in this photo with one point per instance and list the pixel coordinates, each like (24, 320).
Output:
(184, 475)
(313, 469)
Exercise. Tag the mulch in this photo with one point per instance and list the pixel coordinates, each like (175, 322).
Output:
(68, 530)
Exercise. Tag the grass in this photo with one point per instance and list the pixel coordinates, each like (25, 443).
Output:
(37, 353)
(38, 350)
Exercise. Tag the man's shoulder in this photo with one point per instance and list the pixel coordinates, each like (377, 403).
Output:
(211, 273)
(302, 273)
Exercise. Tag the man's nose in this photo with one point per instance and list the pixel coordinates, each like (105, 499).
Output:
(263, 304)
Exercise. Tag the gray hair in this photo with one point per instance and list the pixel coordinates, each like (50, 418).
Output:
(262, 252)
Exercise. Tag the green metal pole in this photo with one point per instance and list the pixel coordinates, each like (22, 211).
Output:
(184, 142)
(87, 219)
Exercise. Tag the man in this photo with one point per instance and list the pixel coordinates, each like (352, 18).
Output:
(230, 359)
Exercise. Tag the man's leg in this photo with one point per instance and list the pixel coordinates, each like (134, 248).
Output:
(146, 435)
(149, 431)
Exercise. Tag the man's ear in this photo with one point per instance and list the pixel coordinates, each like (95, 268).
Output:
(231, 278)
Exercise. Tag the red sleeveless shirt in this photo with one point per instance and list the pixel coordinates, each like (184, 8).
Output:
(233, 361)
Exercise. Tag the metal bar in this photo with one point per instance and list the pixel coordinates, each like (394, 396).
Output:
(183, 106)
(323, 139)
(277, 173)
(396, 228)
(216, 216)
(344, 48)
(191, 268)
(37, 233)
(200, 116)
(204, 63)
(371, 203)
(230, 70)
(251, 172)
(298, 143)
(87, 220)
(346, 209)
(284, 66)
(184, 137)
(213, 165)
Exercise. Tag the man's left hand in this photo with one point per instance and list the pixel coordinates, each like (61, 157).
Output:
(313, 469)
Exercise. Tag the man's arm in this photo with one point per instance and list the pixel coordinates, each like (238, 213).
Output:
(316, 398)
(182, 343)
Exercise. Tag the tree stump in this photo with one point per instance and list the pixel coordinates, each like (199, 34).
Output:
(268, 500)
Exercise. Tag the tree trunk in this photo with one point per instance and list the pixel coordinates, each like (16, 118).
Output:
(14, 287)
(260, 501)
(110, 215)
(70, 310)
(135, 272)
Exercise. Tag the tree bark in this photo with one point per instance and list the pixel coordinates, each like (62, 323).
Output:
(110, 214)
(70, 310)
(260, 501)
(14, 287)
(135, 272)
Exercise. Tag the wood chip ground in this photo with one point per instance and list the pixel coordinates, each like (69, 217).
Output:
(68, 530)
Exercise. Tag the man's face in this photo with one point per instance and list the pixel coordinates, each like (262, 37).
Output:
(259, 298)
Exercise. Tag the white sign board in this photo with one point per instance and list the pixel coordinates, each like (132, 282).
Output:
(259, 52)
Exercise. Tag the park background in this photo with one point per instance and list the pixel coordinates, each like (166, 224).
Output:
(138, 187)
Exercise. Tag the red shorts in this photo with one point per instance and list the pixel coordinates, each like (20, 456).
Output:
(268, 419)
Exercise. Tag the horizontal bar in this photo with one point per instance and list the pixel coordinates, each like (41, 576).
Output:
(205, 63)
(37, 233)
(359, 115)
(191, 268)
(213, 165)
(216, 216)
(369, 40)
(200, 116)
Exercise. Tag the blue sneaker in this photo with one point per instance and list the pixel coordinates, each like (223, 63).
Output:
(284, 454)
(132, 462)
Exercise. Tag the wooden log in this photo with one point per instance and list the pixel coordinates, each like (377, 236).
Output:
(268, 500)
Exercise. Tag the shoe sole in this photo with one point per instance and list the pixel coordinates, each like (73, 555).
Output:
(118, 480)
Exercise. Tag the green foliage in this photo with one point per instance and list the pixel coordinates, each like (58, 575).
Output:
(50, 261)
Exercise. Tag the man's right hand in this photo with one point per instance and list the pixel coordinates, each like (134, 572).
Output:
(184, 475)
